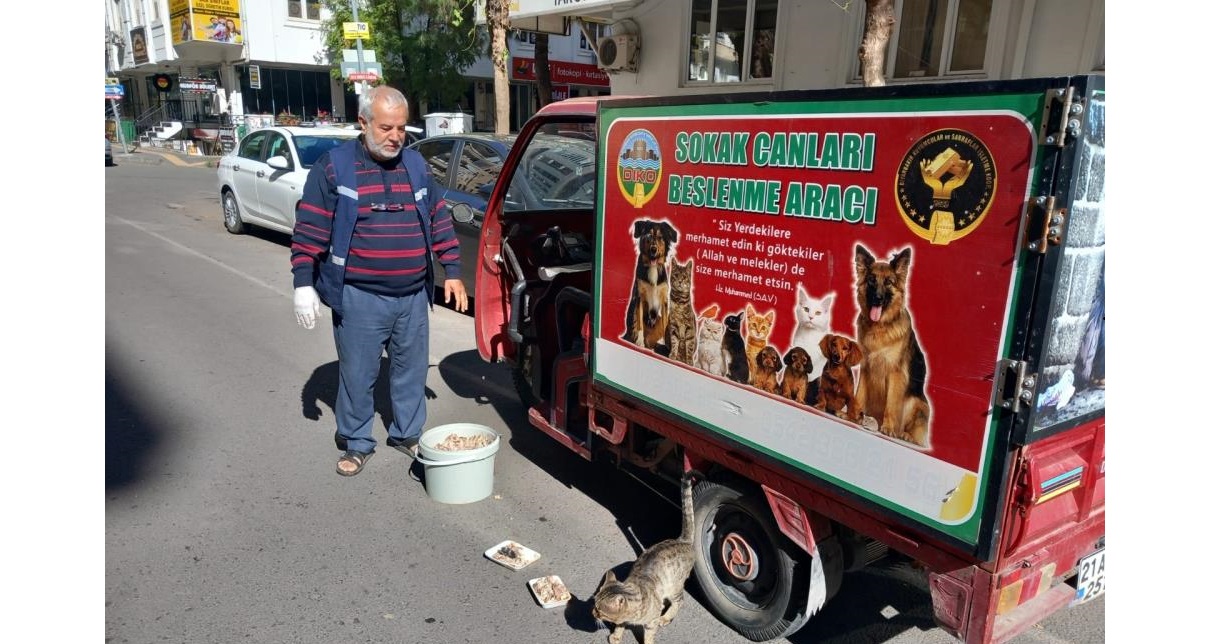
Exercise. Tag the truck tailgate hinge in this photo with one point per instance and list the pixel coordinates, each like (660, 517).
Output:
(1015, 385)
(1062, 111)
(1046, 224)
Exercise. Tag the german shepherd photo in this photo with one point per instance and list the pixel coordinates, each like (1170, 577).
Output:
(648, 305)
(891, 386)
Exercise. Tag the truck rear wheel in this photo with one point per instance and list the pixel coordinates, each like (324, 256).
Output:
(749, 573)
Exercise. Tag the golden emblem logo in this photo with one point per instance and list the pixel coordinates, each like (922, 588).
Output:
(945, 185)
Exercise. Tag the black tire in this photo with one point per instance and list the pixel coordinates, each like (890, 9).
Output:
(763, 600)
(523, 374)
(231, 217)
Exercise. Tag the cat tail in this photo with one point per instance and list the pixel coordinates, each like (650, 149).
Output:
(688, 481)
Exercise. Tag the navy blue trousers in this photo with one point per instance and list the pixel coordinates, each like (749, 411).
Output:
(369, 323)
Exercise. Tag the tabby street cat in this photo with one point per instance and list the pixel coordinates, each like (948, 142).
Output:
(656, 582)
(682, 313)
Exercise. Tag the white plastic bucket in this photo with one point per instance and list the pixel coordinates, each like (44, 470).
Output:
(461, 476)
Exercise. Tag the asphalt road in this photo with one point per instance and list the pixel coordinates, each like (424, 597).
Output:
(226, 522)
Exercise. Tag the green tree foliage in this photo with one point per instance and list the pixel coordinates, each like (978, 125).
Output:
(422, 44)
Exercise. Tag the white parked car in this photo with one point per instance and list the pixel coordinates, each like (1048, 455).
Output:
(262, 180)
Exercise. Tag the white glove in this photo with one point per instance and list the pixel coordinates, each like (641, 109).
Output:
(305, 305)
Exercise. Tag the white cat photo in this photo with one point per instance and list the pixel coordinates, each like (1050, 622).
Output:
(812, 324)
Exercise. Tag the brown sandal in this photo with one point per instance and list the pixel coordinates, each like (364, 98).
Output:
(355, 458)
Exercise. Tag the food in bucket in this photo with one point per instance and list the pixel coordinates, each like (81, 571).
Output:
(512, 555)
(550, 591)
(456, 443)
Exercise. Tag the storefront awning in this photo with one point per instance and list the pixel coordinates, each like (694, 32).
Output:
(525, 11)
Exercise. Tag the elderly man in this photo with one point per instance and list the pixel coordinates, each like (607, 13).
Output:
(370, 224)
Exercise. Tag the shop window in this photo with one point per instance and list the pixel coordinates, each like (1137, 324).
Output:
(304, 10)
(938, 38)
(732, 41)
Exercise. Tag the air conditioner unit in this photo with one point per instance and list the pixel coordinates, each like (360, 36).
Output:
(619, 52)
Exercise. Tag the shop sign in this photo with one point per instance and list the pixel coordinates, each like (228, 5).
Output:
(198, 85)
(162, 82)
(354, 30)
(138, 44)
(561, 72)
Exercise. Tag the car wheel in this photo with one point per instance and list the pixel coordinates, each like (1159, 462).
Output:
(753, 578)
(230, 213)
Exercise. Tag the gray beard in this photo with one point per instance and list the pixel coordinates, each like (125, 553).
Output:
(378, 151)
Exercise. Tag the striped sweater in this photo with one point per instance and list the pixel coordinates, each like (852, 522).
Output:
(387, 254)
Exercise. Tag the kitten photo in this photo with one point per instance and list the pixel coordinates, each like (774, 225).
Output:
(681, 323)
(757, 329)
(732, 350)
(653, 592)
(708, 335)
(812, 324)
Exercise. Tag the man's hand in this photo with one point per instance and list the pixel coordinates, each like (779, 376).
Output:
(305, 305)
(456, 288)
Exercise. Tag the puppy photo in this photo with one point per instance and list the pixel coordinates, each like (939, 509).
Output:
(836, 390)
(891, 386)
(766, 370)
(795, 385)
(649, 302)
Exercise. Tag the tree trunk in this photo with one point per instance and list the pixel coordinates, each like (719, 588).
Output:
(877, 32)
(544, 82)
(498, 21)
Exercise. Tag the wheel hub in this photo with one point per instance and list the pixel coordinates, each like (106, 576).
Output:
(739, 557)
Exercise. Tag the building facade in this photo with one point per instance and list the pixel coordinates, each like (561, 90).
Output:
(670, 47)
(214, 63)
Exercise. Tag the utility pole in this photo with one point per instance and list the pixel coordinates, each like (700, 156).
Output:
(361, 85)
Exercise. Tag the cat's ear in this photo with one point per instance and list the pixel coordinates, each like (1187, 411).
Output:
(749, 309)
(828, 300)
(609, 577)
(770, 317)
(801, 294)
(690, 264)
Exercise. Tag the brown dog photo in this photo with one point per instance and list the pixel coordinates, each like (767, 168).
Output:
(891, 386)
(795, 384)
(835, 394)
(766, 370)
(649, 302)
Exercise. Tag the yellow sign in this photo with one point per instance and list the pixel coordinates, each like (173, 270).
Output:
(206, 20)
(354, 30)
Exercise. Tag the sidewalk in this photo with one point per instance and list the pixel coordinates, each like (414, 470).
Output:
(157, 156)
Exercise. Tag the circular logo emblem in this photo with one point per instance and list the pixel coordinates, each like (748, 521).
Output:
(639, 170)
(945, 185)
(163, 82)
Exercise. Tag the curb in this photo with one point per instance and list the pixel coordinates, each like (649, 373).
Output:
(150, 156)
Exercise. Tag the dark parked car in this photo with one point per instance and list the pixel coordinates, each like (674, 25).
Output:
(557, 175)
(468, 166)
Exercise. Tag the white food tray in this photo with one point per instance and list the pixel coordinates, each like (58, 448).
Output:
(535, 586)
(523, 555)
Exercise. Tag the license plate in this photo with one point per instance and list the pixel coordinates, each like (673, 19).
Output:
(1090, 581)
